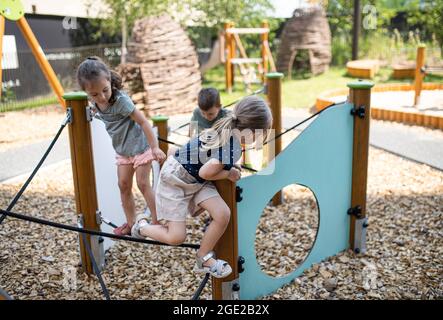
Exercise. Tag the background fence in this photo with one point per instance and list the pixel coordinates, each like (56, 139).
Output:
(25, 86)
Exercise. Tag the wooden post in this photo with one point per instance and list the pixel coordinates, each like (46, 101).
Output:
(2, 32)
(227, 246)
(264, 51)
(233, 54)
(161, 122)
(82, 168)
(228, 65)
(274, 98)
(41, 59)
(419, 75)
(360, 96)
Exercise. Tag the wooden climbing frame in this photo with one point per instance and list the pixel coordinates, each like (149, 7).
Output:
(246, 64)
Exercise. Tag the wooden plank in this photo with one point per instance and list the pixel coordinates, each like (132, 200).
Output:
(270, 57)
(264, 54)
(419, 75)
(83, 172)
(246, 61)
(247, 30)
(274, 98)
(228, 66)
(360, 95)
(227, 246)
(161, 122)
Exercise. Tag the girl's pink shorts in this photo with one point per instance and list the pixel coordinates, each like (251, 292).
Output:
(137, 160)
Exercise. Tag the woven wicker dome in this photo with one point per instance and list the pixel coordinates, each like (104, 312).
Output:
(162, 57)
(308, 29)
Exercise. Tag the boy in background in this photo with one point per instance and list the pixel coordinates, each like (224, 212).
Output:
(209, 111)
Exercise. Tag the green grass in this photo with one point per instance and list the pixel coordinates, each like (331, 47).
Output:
(301, 92)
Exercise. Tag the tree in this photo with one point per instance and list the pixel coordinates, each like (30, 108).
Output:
(197, 13)
(429, 14)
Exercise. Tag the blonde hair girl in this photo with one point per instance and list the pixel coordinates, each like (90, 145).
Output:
(185, 184)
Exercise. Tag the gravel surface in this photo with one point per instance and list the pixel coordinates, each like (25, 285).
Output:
(404, 258)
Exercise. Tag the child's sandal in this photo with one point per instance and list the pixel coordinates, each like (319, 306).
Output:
(135, 231)
(219, 269)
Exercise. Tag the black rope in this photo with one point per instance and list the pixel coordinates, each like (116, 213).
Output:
(169, 142)
(91, 232)
(249, 168)
(28, 181)
(295, 126)
(181, 134)
(200, 287)
(109, 223)
(180, 127)
(95, 267)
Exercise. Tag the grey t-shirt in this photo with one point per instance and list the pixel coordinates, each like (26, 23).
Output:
(203, 123)
(128, 138)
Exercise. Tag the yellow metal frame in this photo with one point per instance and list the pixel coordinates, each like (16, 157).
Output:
(38, 53)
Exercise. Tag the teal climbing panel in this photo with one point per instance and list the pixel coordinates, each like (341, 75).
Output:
(320, 158)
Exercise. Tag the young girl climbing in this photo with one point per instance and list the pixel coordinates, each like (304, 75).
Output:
(185, 184)
(133, 139)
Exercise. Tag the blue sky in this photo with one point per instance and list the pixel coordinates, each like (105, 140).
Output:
(285, 8)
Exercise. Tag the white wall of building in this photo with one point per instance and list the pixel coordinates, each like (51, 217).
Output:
(77, 8)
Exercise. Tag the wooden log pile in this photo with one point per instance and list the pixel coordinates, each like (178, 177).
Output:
(308, 29)
(162, 72)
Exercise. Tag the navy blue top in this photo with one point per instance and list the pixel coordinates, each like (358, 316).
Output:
(192, 157)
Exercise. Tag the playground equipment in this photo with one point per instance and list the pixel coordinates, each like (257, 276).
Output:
(408, 110)
(248, 66)
(329, 157)
(340, 137)
(13, 10)
(307, 29)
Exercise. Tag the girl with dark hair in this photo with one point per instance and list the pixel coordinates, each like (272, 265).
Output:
(133, 139)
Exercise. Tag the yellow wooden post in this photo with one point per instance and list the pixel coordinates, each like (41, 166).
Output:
(2, 32)
(227, 246)
(275, 103)
(233, 53)
(264, 51)
(83, 170)
(41, 59)
(419, 75)
(228, 65)
(360, 96)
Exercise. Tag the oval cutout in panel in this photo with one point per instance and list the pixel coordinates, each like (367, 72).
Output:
(286, 233)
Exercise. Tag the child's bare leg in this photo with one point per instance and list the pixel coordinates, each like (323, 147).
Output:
(220, 214)
(125, 175)
(174, 233)
(142, 176)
